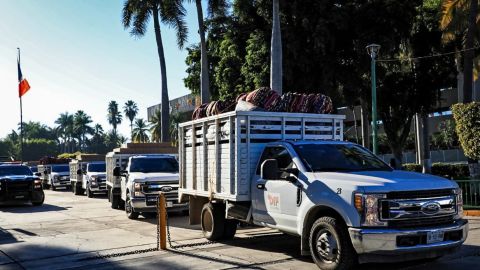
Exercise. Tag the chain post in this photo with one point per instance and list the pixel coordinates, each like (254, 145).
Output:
(162, 220)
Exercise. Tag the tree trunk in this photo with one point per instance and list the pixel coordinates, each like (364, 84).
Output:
(469, 54)
(276, 72)
(165, 104)
(426, 160)
(131, 131)
(204, 78)
(398, 156)
(365, 126)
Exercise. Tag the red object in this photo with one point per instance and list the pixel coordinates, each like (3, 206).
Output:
(23, 87)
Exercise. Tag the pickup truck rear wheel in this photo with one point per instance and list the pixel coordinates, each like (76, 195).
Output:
(330, 245)
(230, 229)
(131, 214)
(212, 220)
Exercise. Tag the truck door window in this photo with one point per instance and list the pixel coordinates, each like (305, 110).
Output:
(280, 154)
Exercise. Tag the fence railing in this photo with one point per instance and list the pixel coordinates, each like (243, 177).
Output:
(471, 193)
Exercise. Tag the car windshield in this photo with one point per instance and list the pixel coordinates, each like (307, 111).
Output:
(151, 165)
(339, 157)
(34, 169)
(96, 167)
(14, 170)
(60, 168)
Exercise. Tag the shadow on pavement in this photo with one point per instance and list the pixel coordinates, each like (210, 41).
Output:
(28, 208)
(7, 238)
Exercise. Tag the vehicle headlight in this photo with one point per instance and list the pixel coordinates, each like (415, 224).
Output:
(55, 177)
(137, 188)
(368, 207)
(37, 183)
(459, 202)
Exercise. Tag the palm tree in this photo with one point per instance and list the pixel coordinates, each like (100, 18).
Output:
(136, 15)
(156, 126)
(276, 72)
(81, 126)
(459, 18)
(131, 110)
(114, 116)
(140, 131)
(98, 138)
(65, 128)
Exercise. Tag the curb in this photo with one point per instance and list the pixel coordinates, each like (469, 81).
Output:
(472, 213)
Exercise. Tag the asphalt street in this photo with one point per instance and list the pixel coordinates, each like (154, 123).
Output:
(75, 232)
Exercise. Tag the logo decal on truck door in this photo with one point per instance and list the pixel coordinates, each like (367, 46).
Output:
(273, 201)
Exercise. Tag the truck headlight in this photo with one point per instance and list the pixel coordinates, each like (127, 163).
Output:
(137, 188)
(55, 178)
(459, 202)
(93, 181)
(37, 183)
(368, 208)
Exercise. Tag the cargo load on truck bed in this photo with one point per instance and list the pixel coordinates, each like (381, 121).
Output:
(218, 154)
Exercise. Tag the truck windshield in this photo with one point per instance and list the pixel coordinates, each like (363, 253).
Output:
(151, 165)
(339, 157)
(14, 170)
(96, 167)
(60, 168)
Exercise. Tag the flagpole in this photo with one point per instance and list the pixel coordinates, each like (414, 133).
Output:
(21, 118)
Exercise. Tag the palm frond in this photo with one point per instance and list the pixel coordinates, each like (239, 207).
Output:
(172, 13)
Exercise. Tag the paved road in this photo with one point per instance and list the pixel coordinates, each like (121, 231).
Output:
(72, 231)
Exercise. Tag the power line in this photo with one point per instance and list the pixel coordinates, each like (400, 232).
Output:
(426, 56)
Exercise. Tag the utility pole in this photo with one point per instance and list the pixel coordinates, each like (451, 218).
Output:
(372, 50)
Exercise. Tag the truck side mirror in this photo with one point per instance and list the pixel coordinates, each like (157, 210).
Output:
(269, 169)
(116, 171)
(123, 173)
(37, 174)
(79, 171)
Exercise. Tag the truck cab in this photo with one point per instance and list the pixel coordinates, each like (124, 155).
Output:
(18, 184)
(143, 179)
(55, 176)
(94, 178)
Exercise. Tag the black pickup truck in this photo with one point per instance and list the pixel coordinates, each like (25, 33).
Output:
(18, 184)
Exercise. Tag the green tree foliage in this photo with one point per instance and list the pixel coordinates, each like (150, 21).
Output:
(467, 118)
(140, 130)
(34, 149)
(114, 116)
(131, 110)
(254, 71)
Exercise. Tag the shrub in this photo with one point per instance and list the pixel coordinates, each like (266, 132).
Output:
(69, 155)
(412, 167)
(467, 119)
(451, 171)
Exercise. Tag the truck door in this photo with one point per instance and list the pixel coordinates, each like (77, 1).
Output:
(275, 201)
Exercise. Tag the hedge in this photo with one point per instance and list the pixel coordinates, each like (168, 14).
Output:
(451, 171)
(467, 119)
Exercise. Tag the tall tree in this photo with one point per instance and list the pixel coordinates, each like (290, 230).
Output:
(131, 110)
(459, 22)
(276, 73)
(156, 126)
(140, 131)
(114, 116)
(65, 128)
(81, 127)
(136, 15)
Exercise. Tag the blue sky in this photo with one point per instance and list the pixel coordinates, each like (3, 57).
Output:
(77, 56)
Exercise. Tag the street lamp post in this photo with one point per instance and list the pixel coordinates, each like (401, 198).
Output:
(372, 50)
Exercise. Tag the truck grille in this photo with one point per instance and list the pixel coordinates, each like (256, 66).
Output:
(156, 187)
(418, 208)
(19, 186)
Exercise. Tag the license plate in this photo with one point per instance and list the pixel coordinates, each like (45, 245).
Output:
(19, 197)
(151, 200)
(434, 237)
(169, 204)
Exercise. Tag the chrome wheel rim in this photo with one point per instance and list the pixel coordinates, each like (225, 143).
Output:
(207, 222)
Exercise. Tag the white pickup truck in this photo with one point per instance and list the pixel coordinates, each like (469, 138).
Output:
(293, 172)
(143, 179)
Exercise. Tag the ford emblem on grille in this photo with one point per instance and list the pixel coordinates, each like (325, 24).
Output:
(166, 189)
(430, 208)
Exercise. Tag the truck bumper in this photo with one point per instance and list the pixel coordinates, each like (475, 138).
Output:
(62, 183)
(139, 205)
(390, 245)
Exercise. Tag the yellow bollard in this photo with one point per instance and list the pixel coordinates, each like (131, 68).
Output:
(162, 221)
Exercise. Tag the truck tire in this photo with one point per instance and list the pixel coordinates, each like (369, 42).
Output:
(77, 190)
(131, 214)
(39, 203)
(212, 220)
(114, 200)
(89, 192)
(108, 195)
(330, 245)
(230, 229)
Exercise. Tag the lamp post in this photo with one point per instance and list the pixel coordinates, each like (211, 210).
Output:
(372, 50)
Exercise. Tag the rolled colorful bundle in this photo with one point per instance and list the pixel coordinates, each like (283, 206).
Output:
(200, 111)
(271, 99)
(242, 97)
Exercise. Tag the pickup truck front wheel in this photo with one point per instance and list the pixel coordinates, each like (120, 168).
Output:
(212, 220)
(89, 192)
(131, 214)
(330, 245)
